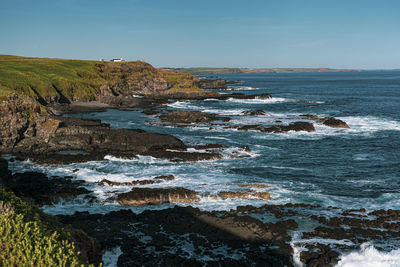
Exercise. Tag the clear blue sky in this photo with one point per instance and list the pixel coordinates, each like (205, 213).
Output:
(181, 33)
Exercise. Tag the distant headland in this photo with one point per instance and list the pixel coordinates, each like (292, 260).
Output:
(206, 70)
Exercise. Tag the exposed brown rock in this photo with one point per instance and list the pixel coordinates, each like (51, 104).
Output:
(151, 196)
(254, 185)
(229, 194)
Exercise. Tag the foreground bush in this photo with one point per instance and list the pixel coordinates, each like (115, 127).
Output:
(27, 238)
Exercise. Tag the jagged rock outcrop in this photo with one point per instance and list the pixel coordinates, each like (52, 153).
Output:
(182, 116)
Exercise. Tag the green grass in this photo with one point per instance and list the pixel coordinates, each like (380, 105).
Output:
(78, 79)
(28, 237)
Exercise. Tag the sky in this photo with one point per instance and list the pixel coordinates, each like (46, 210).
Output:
(360, 34)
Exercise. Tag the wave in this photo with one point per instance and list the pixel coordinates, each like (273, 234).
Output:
(242, 88)
(369, 256)
(272, 100)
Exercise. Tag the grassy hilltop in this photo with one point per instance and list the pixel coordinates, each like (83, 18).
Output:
(52, 80)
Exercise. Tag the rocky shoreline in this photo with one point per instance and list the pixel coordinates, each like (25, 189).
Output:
(245, 236)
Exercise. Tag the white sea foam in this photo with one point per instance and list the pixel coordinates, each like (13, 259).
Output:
(368, 256)
(242, 88)
(272, 100)
(110, 257)
(370, 123)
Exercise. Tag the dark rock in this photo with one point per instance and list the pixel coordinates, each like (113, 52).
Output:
(165, 177)
(89, 248)
(182, 116)
(211, 84)
(44, 190)
(5, 173)
(319, 255)
(132, 183)
(334, 123)
(295, 126)
(170, 230)
(151, 196)
(259, 112)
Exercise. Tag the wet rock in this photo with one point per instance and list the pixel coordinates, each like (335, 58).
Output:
(44, 190)
(334, 123)
(258, 112)
(132, 183)
(179, 156)
(182, 116)
(152, 196)
(295, 126)
(170, 231)
(319, 255)
(165, 177)
(208, 146)
(5, 173)
(229, 194)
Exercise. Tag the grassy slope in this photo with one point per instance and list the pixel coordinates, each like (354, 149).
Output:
(46, 76)
(78, 79)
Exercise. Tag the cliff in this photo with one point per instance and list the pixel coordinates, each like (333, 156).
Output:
(31, 87)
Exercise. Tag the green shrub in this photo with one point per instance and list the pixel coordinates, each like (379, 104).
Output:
(25, 244)
(28, 237)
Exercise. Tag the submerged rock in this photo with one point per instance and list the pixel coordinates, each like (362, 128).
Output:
(152, 196)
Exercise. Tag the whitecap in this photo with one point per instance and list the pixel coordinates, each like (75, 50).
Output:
(369, 256)
(272, 100)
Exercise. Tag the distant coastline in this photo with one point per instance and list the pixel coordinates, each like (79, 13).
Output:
(206, 70)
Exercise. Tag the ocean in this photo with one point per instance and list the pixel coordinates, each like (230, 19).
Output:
(350, 168)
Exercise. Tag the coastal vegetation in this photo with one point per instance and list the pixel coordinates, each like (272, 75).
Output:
(28, 237)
